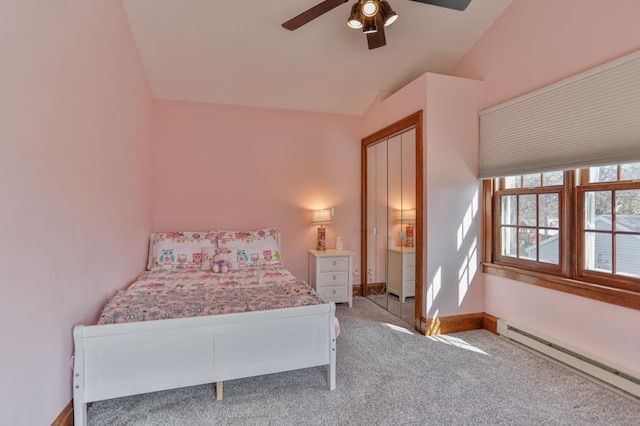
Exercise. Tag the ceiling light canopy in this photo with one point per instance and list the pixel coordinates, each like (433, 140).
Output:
(364, 15)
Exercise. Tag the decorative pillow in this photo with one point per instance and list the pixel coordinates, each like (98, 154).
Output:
(178, 250)
(219, 260)
(253, 248)
(224, 261)
(207, 254)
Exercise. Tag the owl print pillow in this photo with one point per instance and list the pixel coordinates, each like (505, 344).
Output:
(253, 248)
(178, 250)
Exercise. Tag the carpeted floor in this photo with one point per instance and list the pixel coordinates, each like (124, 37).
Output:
(390, 376)
(390, 302)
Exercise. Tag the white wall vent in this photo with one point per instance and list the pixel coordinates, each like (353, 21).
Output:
(580, 361)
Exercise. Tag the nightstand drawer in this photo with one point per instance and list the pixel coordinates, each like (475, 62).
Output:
(410, 274)
(334, 264)
(409, 261)
(333, 293)
(333, 278)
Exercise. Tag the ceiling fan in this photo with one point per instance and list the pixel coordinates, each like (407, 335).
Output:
(369, 15)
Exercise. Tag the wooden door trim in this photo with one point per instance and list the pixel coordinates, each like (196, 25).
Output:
(413, 120)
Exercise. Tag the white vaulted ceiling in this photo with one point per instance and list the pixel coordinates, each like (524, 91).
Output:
(236, 51)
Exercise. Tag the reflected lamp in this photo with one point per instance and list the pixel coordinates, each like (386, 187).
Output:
(408, 218)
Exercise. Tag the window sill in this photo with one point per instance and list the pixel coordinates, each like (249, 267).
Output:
(615, 296)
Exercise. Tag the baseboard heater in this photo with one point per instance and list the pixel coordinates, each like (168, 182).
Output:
(586, 364)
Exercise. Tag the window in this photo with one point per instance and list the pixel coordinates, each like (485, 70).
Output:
(608, 237)
(575, 231)
(527, 231)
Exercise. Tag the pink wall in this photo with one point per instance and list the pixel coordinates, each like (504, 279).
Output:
(231, 167)
(450, 104)
(532, 44)
(607, 332)
(453, 216)
(387, 109)
(75, 126)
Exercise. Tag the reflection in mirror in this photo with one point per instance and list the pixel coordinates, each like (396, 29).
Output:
(391, 216)
(377, 222)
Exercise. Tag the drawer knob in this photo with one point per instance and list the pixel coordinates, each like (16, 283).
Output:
(334, 292)
(334, 263)
(334, 277)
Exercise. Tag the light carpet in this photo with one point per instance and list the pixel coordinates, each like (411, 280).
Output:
(389, 376)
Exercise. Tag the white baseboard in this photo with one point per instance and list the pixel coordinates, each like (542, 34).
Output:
(588, 364)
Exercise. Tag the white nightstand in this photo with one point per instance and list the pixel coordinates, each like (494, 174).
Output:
(402, 272)
(331, 275)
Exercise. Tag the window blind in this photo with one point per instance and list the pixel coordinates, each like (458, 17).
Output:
(590, 119)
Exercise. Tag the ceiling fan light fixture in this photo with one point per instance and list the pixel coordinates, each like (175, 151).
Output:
(370, 8)
(369, 15)
(370, 25)
(389, 16)
(355, 19)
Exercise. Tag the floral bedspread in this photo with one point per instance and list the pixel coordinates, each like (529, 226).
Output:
(178, 294)
(185, 278)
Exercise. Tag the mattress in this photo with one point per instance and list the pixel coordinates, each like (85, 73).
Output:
(166, 294)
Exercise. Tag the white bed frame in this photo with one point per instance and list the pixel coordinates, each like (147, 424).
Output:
(115, 360)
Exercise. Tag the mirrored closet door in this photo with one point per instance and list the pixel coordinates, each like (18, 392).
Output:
(390, 222)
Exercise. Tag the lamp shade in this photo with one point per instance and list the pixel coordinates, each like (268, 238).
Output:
(406, 216)
(355, 19)
(321, 217)
(369, 26)
(389, 16)
(369, 8)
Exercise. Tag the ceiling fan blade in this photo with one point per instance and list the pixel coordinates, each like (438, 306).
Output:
(377, 39)
(311, 14)
(449, 4)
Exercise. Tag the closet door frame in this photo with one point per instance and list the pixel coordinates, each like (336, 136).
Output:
(413, 120)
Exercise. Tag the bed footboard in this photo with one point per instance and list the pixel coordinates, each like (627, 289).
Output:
(116, 360)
